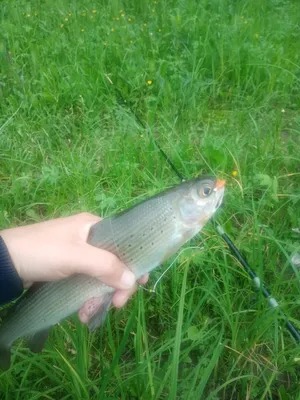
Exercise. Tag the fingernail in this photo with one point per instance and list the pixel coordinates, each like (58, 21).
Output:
(127, 279)
(83, 317)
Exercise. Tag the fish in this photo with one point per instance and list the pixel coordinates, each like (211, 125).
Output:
(143, 237)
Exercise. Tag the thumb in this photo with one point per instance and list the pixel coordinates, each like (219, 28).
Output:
(103, 265)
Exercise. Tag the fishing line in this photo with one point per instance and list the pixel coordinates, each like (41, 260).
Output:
(141, 123)
(172, 263)
(220, 230)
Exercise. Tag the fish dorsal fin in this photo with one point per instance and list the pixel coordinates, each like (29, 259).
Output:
(37, 340)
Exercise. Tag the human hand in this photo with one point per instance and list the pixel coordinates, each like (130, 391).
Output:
(57, 248)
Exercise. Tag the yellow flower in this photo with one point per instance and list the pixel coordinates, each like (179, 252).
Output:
(122, 15)
(70, 14)
(257, 35)
(112, 29)
(27, 15)
(153, 10)
(145, 24)
(105, 44)
(94, 11)
(129, 19)
(149, 82)
(131, 41)
(82, 30)
(66, 19)
(246, 22)
(234, 173)
(159, 30)
(283, 110)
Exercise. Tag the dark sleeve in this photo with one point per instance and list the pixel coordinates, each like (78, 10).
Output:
(11, 285)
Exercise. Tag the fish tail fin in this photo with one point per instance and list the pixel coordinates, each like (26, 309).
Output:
(98, 317)
(4, 356)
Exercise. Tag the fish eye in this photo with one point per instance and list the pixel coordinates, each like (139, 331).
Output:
(205, 191)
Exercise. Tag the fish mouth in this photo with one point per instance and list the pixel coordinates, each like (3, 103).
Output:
(220, 188)
(219, 201)
(220, 183)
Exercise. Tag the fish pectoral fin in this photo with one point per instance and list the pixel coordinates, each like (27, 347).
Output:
(37, 340)
(98, 314)
(4, 357)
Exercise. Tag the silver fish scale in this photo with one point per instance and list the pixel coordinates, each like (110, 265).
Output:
(142, 236)
(74, 292)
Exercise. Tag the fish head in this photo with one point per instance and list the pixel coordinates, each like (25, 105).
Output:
(201, 199)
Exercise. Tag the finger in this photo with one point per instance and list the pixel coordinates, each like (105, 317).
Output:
(91, 307)
(27, 284)
(90, 220)
(144, 279)
(83, 317)
(121, 297)
(100, 264)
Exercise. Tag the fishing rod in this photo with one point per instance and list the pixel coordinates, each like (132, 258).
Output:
(221, 232)
(257, 282)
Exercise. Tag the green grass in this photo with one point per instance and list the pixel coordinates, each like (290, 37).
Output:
(225, 96)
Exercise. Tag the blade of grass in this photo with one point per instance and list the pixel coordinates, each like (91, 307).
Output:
(178, 336)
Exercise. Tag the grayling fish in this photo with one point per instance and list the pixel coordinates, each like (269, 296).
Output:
(142, 237)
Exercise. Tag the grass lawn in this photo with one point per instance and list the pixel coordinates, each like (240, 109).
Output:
(217, 83)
